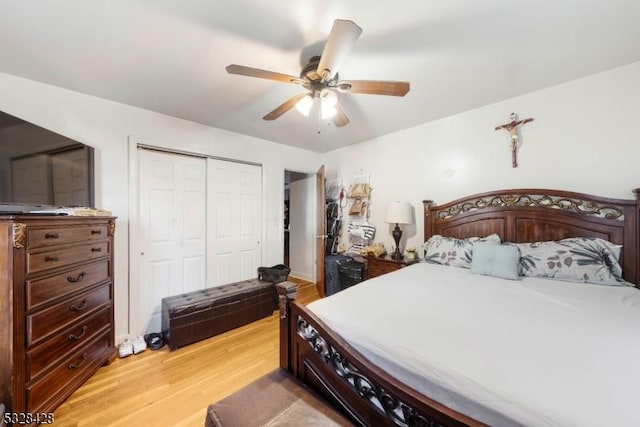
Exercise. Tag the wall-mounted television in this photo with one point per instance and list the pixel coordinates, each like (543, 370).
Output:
(40, 169)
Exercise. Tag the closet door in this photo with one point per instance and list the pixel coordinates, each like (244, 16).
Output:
(171, 233)
(234, 221)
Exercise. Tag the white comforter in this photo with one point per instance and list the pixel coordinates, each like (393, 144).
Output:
(531, 352)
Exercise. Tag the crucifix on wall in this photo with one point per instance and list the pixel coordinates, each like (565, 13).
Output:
(512, 127)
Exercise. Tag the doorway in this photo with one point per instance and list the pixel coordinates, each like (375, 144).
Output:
(300, 224)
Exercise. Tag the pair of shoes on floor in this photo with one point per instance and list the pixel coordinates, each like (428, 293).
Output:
(129, 347)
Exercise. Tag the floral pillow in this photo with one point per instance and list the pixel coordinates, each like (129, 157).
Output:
(454, 252)
(584, 259)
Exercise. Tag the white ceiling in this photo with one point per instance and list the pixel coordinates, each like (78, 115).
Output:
(169, 56)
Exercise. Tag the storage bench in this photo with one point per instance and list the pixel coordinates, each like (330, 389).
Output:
(201, 314)
(276, 399)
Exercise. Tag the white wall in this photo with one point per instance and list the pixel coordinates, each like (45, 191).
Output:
(107, 126)
(583, 139)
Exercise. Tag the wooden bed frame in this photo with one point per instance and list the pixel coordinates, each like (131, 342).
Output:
(320, 358)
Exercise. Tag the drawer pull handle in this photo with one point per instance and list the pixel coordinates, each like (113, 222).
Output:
(76, 279)
(80, 306)
(79, 364)
(96, 231)
(73, 337)
(51, 236)
(96, 249)
(51, 259)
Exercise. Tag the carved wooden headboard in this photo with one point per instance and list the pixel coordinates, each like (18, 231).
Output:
(532, 215)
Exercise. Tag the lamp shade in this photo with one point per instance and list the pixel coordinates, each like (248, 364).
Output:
(304, 105)
(328, 101)
(399, 213)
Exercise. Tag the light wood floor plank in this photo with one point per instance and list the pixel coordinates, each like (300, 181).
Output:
(166, 388)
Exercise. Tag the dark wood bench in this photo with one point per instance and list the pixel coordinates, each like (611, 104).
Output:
(201, 314)
(274, 399)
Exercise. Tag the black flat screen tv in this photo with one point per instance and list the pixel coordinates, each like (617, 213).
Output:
(40, 169)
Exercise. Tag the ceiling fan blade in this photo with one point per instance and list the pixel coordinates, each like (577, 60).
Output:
(340, 118)
(342, 37)
(284, 107)
(261, 74)
(374, 87)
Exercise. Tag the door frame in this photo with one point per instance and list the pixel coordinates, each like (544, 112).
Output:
(313, 242)
(309, 272)
(321, 228)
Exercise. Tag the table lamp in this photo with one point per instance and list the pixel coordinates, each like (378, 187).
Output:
(398, 213)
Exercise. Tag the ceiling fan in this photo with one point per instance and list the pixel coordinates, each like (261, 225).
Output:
(320, 77)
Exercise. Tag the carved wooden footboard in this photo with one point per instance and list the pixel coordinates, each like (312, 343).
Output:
(326, 363)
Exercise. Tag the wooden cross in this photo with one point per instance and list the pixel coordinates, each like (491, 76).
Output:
(512, 127)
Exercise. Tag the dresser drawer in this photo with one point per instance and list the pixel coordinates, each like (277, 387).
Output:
(75, 368)
(40, 261)
(66, 313)
(378, 270)
(39, 237)
(42, 290)
(377, 266)
(68, 340)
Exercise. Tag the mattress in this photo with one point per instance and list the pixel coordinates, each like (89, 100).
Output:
(533, 352)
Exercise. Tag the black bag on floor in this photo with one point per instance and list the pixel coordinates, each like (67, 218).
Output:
(276, 274)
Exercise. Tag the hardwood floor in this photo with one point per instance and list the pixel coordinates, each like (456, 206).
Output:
(166, 388)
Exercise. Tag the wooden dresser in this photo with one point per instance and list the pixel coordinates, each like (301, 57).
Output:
(377, 266)
(56, 307)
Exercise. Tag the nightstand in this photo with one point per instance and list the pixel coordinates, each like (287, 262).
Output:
(377, 266)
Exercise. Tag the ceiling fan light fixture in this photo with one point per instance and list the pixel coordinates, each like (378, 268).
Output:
(328, 101)
(328, 98)
(327, 111)
(304, 105)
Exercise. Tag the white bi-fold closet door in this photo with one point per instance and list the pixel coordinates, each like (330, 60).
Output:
(198, 226)
(234, 208)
